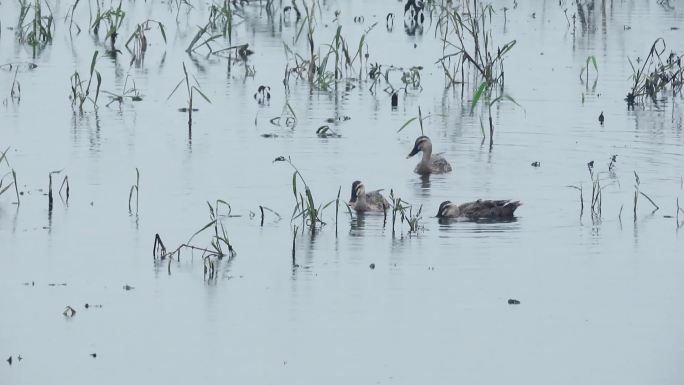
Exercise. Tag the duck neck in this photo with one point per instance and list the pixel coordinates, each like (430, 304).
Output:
(361, 201)
(427, 154)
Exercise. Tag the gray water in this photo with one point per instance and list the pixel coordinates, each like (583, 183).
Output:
(601, 300)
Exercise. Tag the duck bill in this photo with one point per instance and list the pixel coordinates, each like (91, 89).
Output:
(413, 152)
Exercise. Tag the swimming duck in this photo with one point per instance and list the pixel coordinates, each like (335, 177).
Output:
(430, 164)
(366, 201)
(479, 209)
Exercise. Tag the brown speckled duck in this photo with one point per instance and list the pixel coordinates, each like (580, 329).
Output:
(362, 201)
(479, 209)
(429, 164)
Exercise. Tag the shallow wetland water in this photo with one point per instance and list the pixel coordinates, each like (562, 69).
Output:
(601, 299)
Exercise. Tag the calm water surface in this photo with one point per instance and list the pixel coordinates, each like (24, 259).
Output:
(601, 301)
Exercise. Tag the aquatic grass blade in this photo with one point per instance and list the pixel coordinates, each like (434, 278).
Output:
(92, 62)
(407, 123)
(208, 225)
(175, 88)
(478, 95)
(201, 94)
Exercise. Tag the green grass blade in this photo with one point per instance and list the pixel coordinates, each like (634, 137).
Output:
(92, 62)
(201, 94)
(593, 61)
(478, 95)
(407, 123)
(175, 88)
(208, 225)
(163, 32)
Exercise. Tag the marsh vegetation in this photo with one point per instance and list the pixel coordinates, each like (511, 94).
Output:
(189, 127)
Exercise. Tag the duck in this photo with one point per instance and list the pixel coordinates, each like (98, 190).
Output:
(430, 164)
(363, 201)
(479, 209)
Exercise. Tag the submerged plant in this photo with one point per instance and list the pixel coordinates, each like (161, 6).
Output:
(637, 192)
(490, 103)
(655, 75)
(132, 93)
(136, 188)
(410, 78)
(585, 70)
(339, 53)
(221, 18)
(305, 206)
(287, 117)
(111, 19)
(203, 38)
(35, 28)
(219, 243)
(404, 212)
(420, 118)
(190, 89)
(70, 17)
(467, 39)
(139, 36)
(80, 94)
(4, 186)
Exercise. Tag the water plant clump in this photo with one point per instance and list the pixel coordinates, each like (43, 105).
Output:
(36, 23)
(139, 37)
(131, 93)
(5, 182)
(221, 18)
(305, 205)
(403, 211)
(190, 92)
(655, 75)
(81, 89)
(340, 54)
(111, 20)
(219, 242)
(467, 39)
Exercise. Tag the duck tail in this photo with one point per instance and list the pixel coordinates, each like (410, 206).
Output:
(509, 208)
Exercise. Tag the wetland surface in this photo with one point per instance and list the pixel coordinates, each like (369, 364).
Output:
(601, 297)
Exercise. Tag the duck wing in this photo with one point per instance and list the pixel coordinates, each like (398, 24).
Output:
(439, 164)
(377, 201)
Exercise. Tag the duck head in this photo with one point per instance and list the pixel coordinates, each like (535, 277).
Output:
(356, 190)
(446, 209)
(423, 143)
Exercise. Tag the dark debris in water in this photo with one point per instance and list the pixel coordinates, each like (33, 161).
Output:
(10, 360)
(94, 355)
(326, 132)
(535, 164)
(338, 118)
(128, 287)
(372, 266)
(513, 302)
(69, 312)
